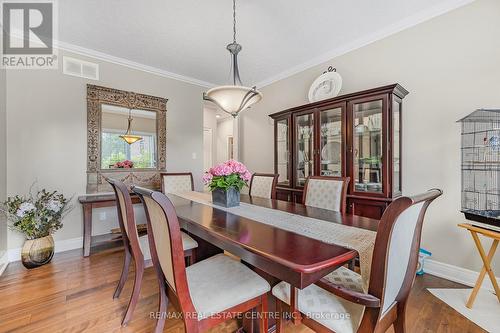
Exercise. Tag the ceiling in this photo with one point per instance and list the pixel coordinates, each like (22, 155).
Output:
(187, 38)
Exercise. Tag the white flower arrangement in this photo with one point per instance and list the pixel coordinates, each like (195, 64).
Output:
(25, 208)
(54, 205)
(37, 215)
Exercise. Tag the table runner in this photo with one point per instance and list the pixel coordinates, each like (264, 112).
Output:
(349, 237)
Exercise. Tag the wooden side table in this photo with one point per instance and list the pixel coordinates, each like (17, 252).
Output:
(89, 203)
(487, 258)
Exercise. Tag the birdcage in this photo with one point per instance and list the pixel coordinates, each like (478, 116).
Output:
(481, 166)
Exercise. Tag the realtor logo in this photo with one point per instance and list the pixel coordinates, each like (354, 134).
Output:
(28, 34)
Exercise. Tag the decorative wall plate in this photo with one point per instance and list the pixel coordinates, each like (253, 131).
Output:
(327, 85)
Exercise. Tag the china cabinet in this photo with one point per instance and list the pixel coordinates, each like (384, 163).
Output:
(356, 135)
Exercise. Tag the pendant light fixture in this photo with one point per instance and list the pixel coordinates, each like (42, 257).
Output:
(128, 137)
(234, 98)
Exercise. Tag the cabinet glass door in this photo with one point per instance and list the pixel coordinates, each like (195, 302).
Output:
(304, 150)
(330, 150)
(396, 150)
(283, 151)
(367, 146)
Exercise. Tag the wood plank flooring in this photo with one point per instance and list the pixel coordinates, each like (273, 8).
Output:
(74, 294)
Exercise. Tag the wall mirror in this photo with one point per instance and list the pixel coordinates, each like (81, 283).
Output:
(126, 138)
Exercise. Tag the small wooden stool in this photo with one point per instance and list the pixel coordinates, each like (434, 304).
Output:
(486, 259)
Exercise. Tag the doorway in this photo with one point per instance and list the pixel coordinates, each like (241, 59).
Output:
(207, 148)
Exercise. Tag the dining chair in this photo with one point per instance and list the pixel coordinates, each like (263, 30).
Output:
(206, 293)
(330, 306)
(136, 247)
(263, 185)
(176, 182)
(326, 192)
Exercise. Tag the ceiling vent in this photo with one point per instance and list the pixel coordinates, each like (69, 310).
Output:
(80, 68)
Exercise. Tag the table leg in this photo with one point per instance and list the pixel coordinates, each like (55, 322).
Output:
(250, 322)
(486, 269)
(294, 306)
(87, 229)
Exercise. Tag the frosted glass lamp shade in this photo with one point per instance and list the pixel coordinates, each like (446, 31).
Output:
(233, 99)
(130, 139)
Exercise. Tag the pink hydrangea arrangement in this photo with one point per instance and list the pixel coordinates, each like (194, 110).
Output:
(127, 164)
(226, 175)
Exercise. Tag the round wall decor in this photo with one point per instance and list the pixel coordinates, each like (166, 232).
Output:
(327, 85)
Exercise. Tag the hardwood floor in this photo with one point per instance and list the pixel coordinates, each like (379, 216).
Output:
(74, 294)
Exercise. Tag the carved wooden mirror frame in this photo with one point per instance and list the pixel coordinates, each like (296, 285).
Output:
(96, 97)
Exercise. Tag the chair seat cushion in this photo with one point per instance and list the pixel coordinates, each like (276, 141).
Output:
(346, 278)
(333, 312)
(220, 282)
(188, 243)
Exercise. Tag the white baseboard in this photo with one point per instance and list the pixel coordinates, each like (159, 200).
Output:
(456, 274)
(4, 262)
(60, 246)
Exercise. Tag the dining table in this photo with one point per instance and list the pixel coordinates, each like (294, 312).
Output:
(276, 253)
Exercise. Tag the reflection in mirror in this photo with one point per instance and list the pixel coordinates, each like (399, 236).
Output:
(116, 152)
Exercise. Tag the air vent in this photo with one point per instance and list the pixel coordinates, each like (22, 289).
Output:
(80, 68)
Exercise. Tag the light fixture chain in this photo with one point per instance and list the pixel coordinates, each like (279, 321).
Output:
(234, 21)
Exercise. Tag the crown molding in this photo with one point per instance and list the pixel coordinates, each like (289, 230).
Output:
(121, 61)
(128, 63)
(406, 23)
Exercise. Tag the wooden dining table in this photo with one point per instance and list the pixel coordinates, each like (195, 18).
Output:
(276, 254)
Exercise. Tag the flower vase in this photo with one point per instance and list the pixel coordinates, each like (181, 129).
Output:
(37, 252)
(226, 198)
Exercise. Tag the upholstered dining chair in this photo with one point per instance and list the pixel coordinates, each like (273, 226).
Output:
(136, 247)
(176, 182)
(263, 185)
(206, 293)
(337, 304)
(326, 192)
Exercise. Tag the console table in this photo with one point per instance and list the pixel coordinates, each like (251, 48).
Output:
(89, 202)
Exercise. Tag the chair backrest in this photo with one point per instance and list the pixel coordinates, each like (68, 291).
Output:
(326, 192)
(165, 242)
(263, 185)
(126, 218)
(397, 244)
(176, 182)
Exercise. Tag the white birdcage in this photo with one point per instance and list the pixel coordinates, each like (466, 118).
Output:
(481, 166)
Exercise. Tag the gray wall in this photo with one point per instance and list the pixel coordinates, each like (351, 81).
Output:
(47, 132)
(451, 66)
(3, 163)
